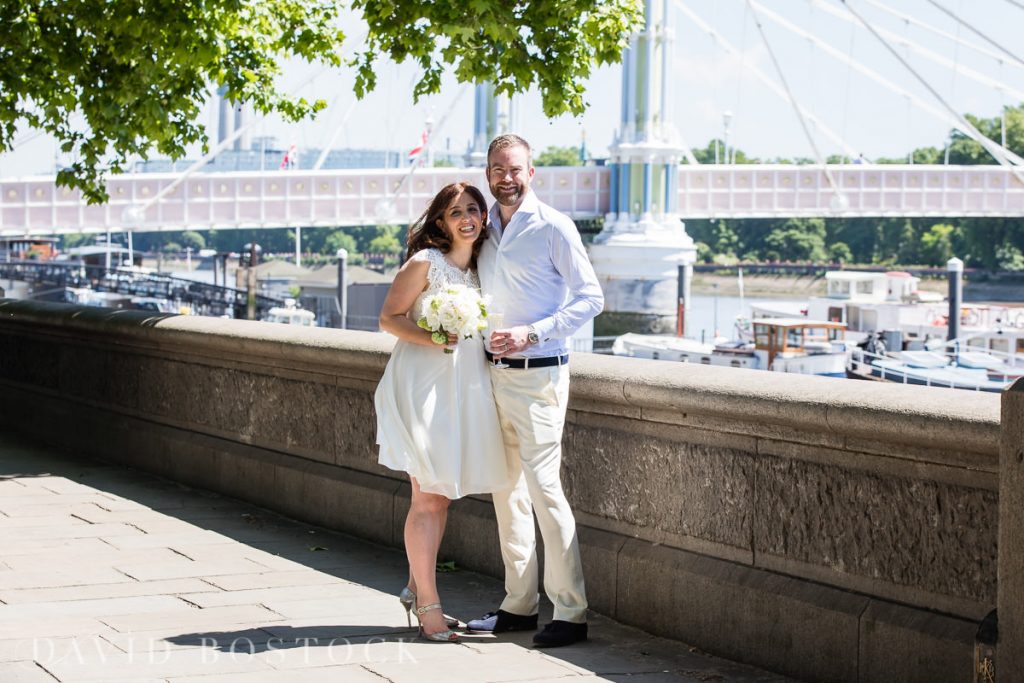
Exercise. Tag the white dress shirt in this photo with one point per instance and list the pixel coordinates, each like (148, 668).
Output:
(537, 273)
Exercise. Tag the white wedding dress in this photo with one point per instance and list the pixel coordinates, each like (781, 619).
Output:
(436, 417)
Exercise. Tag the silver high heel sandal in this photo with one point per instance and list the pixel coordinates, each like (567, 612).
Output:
(408, 600)
(446, 636)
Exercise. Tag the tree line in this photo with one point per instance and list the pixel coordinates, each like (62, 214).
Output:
(315, 242)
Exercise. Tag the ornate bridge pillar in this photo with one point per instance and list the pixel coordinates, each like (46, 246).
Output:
(643, 243)
(493, 114)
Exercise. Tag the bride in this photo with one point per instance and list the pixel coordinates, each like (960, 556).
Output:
(436, 417)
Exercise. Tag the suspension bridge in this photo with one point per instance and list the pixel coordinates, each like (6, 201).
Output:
(649, 150)
(651, 180)
(334, 198)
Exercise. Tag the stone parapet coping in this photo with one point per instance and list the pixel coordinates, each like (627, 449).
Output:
(952, 421)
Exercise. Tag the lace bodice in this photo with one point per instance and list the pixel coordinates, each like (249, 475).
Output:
(442, 273)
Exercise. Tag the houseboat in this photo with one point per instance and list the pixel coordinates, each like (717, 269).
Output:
(796, 345)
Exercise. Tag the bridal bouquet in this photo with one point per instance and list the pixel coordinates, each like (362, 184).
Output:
(457, 309)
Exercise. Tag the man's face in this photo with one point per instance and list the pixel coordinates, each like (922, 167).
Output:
(508, 175)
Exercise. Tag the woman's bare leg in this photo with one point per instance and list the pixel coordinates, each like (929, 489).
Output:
(424, 528)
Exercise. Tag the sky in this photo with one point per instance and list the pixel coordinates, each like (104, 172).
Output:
(706, 81)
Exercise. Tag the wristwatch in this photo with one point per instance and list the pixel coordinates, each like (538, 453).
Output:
(532, 336)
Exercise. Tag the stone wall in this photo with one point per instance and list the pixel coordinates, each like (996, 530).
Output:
(829, 529)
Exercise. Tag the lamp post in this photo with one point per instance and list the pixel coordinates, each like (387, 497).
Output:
(955, 274)
(249, 259)
(726, 122)
(342, 287)
(714, 288)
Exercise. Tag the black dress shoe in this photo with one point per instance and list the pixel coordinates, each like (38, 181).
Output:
(501, 621)
(559, 633)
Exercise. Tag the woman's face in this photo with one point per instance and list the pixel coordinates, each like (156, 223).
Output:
(462, 220)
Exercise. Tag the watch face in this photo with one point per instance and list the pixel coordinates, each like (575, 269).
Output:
(533, 338)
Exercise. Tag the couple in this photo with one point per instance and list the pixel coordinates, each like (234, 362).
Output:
(459, 425)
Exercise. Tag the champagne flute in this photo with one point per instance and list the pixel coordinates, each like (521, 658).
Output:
(495, 321)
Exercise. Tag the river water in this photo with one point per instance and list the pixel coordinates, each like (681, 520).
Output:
(709, 316)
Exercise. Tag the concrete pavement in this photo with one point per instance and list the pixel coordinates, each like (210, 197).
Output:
(110, 574)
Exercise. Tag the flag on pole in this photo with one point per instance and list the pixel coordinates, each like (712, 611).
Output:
(291, 158)
(415, 152)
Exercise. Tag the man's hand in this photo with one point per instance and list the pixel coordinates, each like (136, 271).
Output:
(510, 341)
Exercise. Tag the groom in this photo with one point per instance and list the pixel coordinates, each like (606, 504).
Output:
(536, 271)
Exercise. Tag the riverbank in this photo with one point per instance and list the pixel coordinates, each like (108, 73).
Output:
(1005, 289)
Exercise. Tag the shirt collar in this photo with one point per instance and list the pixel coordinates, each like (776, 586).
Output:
(529, 206)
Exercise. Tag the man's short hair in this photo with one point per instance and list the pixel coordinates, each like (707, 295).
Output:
(509, 140)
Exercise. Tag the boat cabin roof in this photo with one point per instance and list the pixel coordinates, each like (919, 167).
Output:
(854, 275)
(799, 322)
(5, 239)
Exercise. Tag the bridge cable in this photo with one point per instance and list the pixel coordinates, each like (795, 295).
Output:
(796, 108)
(731, 154)
(334, 136)
(953, 118)
(931, 55)
(846, 94)
(981, 49)
(26, 138)
(997, 151)
(136, 213)
(909, 115)
(1002, 111)
(389, 202)
(976, 31)
(716, 69)
(952, 90)
(770, 83)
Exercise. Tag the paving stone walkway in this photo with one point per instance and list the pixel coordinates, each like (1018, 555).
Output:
(109, 574)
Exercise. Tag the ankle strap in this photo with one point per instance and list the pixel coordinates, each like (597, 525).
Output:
(424, 610)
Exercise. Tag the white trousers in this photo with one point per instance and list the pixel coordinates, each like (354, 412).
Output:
(531, 409)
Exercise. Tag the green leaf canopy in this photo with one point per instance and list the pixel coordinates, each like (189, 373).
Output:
(112, 79)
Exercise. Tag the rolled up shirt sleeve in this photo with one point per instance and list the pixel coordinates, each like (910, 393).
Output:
(585, 298)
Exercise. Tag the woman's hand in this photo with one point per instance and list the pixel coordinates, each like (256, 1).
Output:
(449, 345)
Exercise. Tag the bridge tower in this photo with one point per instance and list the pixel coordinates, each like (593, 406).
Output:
(638, 253)
(493, 114)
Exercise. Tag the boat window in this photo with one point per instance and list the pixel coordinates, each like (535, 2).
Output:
(735, 363)
(705, 360)
(835, 314)
(865, 287)
(761, 335)
(840, 287)
(779, 337)
(795, 338)
(1020, 345)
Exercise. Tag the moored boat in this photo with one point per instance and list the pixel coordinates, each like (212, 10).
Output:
(794, 345)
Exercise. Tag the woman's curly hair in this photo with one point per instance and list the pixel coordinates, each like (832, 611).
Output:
(426, 231)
